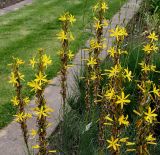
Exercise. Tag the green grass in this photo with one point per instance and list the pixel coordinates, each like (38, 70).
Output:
(35, 26)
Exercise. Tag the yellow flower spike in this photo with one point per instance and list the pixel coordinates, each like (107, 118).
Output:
(32, 62)
(62, 36)
(72, 19)
(46, 60)
(150, 116)
(91, 62)
(123, 120)
(15, 101)
(153, 37)
(34, 85)
(122, 100)
(36, 146)
(113, 143)
(40, 78)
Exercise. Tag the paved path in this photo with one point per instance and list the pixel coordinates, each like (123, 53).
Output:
(14, 7)
(11, 142)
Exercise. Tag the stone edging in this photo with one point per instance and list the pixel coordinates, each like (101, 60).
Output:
(14, 7)
(11, 141)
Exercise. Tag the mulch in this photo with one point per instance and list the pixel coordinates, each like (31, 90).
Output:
(5, 3)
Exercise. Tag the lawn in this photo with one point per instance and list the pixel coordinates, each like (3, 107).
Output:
(24, 31)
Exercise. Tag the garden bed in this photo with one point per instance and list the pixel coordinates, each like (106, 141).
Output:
(5, 3)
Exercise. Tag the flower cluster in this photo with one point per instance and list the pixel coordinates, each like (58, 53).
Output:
(66, 55)
(42, 111)
(19, 101)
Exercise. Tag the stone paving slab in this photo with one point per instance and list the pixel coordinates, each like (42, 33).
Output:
(11, 141)
(15, 7)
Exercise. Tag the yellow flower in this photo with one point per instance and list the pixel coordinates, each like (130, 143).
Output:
(26, 100)
(97, 25)
(151, 140)
(32, 62)
(34, 85)
(123, 120)
(91, 62)
(93, 76)
(72, 19)
(104, 6)
(21, 76)
(62, 35)
(33, 133)
(63, 18)
(113, 143)
(19, 61)
(20, 117)
(43, 111)
(155, 90)
(128, 74)
(148, 48)
(119, 33)
(46, 60)
(15, 101)
(110, 94)
(154, 47)
(150, 116)
(122, 100)
(112, 51)
(13, 79)
(114, 71)
(70, 55)
(40, 78)
(153, 37)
